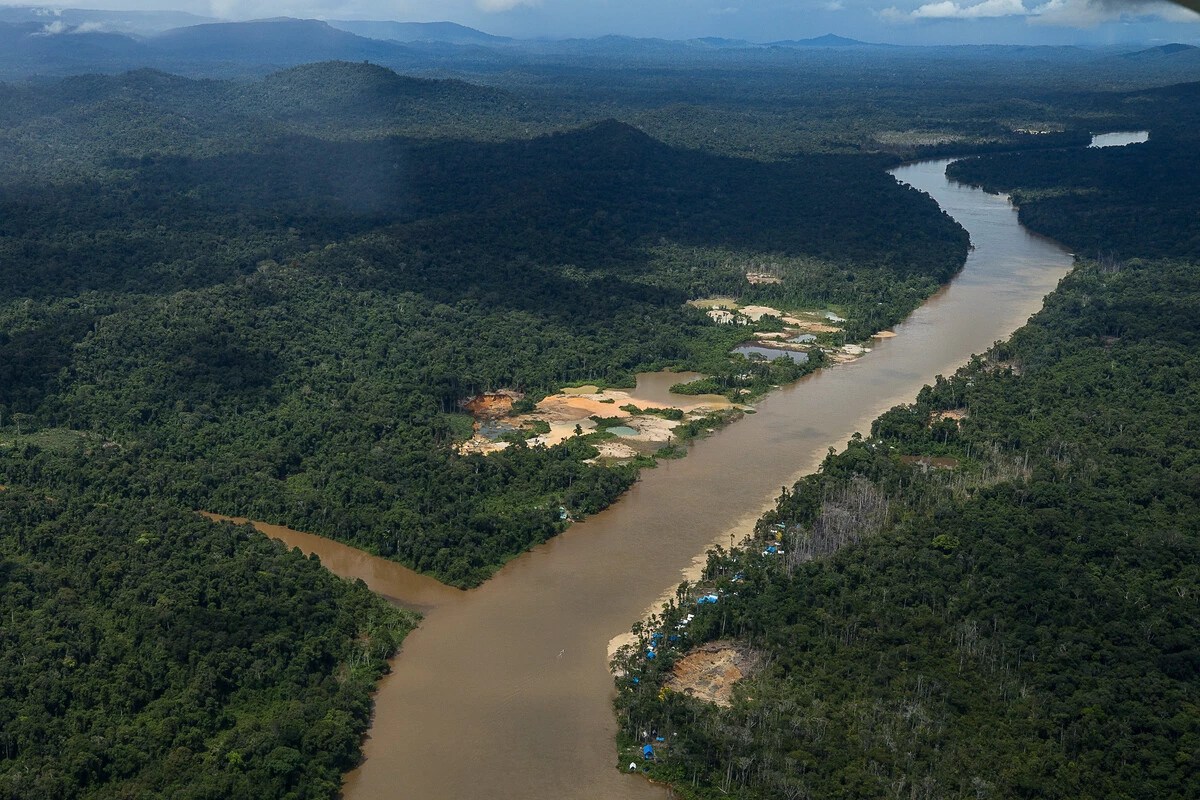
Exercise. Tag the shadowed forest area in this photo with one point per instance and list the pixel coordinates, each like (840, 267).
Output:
(267, 292)
(992, 594)
(286, 331)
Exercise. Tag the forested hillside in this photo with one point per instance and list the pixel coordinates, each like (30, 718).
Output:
(283, 325)
(1111, 202)
(993, 594)
(270, 296)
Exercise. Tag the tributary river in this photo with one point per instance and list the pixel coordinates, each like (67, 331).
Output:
(504, 691)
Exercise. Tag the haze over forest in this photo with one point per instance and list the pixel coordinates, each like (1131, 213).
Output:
(488, 313)
(954, 22)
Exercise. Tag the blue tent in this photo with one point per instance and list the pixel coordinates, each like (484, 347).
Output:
(647, 752)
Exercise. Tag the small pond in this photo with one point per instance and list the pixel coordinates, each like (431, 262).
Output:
(622, 430)
(770, 353)
(493, 429)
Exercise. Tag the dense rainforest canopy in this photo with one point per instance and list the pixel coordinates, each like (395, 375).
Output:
(283, 326)
(268, 296)
(148, 652)
(269, 299)
(992, 594)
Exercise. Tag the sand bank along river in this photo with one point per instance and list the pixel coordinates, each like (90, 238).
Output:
(504, 691)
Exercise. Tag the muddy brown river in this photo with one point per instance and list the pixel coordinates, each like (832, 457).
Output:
(504, 691)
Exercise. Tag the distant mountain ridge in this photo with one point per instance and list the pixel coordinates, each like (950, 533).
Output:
(448, 32)
(52, 44)
(828, 40)
(1160, 51)
(281, 40)
(86, 20)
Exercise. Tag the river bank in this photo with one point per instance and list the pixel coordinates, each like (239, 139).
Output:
(537, 721)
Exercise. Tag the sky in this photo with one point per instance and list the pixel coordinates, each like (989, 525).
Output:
(895, 21)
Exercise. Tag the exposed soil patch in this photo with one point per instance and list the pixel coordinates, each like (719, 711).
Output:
(491, 405)
(715, 302)
(762, 277)
(615, 450)
(808, 326)
(486, 408)
(481, 446)
(570, 412)
(955, 414)
(758, 312)
(709, 672)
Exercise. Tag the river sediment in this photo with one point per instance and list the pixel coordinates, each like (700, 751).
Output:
(504, 691)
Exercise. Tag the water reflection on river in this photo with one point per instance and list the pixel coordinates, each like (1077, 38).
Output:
(504, 691)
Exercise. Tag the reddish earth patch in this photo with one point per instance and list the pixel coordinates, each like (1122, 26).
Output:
(709, 672)
(491, 405)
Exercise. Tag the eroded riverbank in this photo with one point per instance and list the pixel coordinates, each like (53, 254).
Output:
(504, 692)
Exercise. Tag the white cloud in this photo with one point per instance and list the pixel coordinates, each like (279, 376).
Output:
(504, 5)
(1067, 13)
(834, 5)
(988, 9)
(1087, 13)
(1173, 13)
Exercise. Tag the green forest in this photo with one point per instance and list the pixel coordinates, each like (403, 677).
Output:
(993, 593)
(1110, 203)
(268, 299)
(283, 326)
(150, 653)
(269, 295)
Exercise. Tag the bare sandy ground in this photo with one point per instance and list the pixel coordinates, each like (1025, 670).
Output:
(481, 445)
(709, 672)
(615, 450)
(811, 326)
(574, 407)
(758, 312)
(715, 302)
